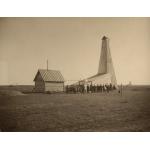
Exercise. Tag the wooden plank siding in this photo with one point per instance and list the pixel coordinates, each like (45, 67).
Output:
(39, 86)
(49, 80)
(54, 86)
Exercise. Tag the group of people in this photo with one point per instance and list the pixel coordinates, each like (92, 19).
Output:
(84, 88)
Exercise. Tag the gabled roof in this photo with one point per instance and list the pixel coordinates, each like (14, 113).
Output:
(50, 75)
(96, 75)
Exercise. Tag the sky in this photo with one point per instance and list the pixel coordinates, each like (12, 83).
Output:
(73, 46)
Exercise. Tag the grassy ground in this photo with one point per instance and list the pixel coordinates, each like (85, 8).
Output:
(77, 112)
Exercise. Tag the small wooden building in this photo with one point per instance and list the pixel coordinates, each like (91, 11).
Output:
(49, 81)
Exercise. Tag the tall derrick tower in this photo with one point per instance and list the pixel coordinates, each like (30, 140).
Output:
(106, 73)
(105, 63)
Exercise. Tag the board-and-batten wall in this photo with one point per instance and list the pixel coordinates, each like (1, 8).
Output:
(52, 86)
(39, 84)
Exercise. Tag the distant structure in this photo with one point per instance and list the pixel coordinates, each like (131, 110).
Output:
(106, 73)
(130, 83)
(49, 81)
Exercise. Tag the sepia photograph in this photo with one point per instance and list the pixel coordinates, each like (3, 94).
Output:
(74, 74)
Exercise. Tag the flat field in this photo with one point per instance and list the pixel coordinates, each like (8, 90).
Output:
(77, 112)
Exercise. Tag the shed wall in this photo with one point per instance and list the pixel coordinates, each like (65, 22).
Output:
(39, 86)
(54, 86)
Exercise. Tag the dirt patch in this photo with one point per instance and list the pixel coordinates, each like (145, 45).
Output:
(10, 93)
